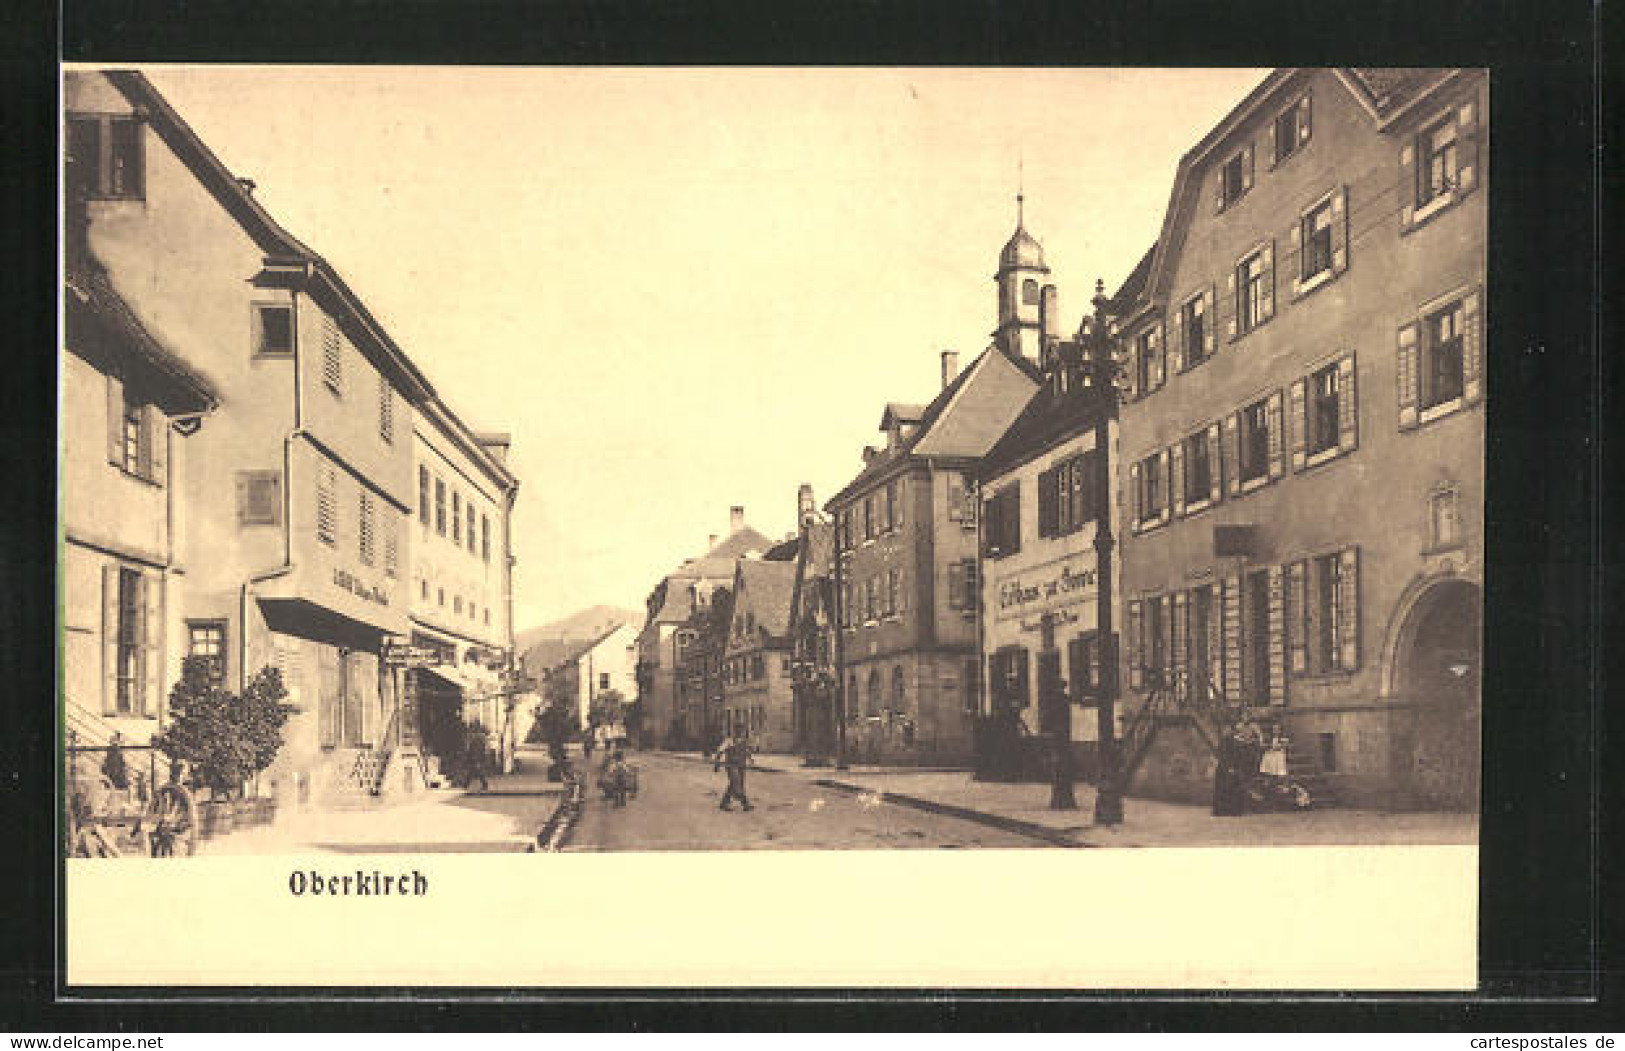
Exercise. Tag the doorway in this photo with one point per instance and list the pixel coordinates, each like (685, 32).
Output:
(1437, 672)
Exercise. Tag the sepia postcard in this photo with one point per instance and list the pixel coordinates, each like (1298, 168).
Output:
(556, 527)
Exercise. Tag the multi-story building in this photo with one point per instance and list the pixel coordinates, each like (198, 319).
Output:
(672, 605)
(1304, 442)
(129, 405)
(905, 531)
(813, 666)
(1043, 487)
(461, 580)
(297, 493)
(756, 681)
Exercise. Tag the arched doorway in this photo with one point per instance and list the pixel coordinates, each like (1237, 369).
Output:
(1436, 670)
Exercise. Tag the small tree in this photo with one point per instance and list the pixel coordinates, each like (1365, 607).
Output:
(226, 739)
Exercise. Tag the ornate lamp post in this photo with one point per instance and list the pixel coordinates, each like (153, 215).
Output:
(1106, 375)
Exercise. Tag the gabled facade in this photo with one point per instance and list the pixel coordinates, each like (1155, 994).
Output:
(1304, 440)
(756, 693)
(905, 536)
(672, 604)
(1043, 489)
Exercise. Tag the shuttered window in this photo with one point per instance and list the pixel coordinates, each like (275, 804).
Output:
(367, 543)
(137, 433)
(456, 517)
(131, 607)
(485, 538)
(392, 545)
(472, 540)
(1290, 130)
(1440, 365)
(1149, 478)
(1254, 284)
(259, 497)
(423, 495)
(1235, 177)
(386, 410)
(962, 584)
(1083, 667)
(1002, 532)
(105, 157)
(1194, 342)
(1197, 484)
(1255, 441)
(327, 504)
(440, 506)
(1444, 342)
(332, 356)
(1439, 164)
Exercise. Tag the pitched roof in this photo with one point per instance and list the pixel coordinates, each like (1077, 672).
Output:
(1386, 89)
(933, 412)
(549, 654)
(766, 588)
(815, 563)
(94, 305)
(719, 561)
(1048, 419)
(902, 413)
(1133, 285)
(284, 250)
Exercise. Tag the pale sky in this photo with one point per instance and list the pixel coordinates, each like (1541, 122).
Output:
(685, 289)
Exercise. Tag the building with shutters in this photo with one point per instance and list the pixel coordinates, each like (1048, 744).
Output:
(1303, 443)
(1042, 489)
(813, 664)
(297, 494)
(129, 408)
(461, 580)
(905, 535)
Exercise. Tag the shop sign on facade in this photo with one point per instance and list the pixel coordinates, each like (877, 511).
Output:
(1034, 590)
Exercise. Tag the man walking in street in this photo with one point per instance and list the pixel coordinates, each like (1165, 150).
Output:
(734, 753)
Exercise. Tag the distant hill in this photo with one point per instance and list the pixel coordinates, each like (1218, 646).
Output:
(580, 627)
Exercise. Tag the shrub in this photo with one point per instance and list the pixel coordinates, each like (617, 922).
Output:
(227, 739)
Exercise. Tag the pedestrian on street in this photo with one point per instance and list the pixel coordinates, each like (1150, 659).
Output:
(734, 753)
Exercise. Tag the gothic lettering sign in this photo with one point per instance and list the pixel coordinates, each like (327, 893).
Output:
(399, 656)
(1033, 590)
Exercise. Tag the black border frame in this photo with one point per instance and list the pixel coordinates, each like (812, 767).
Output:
(1542, 955)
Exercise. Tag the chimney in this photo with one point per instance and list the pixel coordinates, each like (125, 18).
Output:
(711, 542)
(1049, 314)
(950, 367)
(805, 508)
(736, 518)
(869, 454)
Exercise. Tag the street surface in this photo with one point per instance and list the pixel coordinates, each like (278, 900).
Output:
(677, 809)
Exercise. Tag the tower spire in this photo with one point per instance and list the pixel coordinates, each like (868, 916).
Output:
(1021, 186)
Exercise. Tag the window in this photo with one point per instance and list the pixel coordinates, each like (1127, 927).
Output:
(135, 431)
(487, 614)
(872, 709)
(1444, 519)
(440, 596)
(1324, 611)
(259, 497)
(423, 588)
(871, 598)
(332, 356)
(472, 544)
(962, 584)
(104, 156)
(1002, 520)
(1029, 292)
(1317, 240)
(485, 538)
(326, 504)
(961, 501)
(1440, 367)
(892, 582)
(457, 604)
(1151, 487)
(1442, 373)
(386, 410)
(891, 506)
(1064, 503)
(1144, 362)
(1194, 333)
(130, 653)
(1232, 180)
(440, 506)
(392, 546)
(367, 541)
(898, 699)
(869, 517)
(1198, 481)
(456, 517)
(1250, 292)
(273, 329)
(1255, 442)
(1083, 666)
(1154, 641)
(758, 666)
(1291, 129)
(423, 494)
(1202, 639)
(206, 639)
(1437, 162)
(1323, 410)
